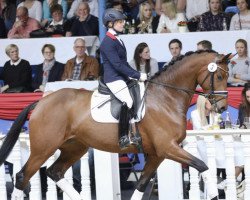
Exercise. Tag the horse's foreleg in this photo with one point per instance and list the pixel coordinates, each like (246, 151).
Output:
(176, 153)
(71, 151)
(150, 167)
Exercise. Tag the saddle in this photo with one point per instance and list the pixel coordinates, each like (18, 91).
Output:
(116, 104)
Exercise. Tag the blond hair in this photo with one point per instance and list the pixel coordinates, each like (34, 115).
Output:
(170, 8)
(141, 12)
(9, 47)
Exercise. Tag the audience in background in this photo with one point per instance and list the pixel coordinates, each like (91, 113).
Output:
(204, 45)
(24, 25)
(169, 18)
(244, 108)
(57, 26)
(193, 8)
(213, 19)
(93, 7)
(34, 7)
(85, 23)
(241, 20)
(239, 70)
(48, 71)
(146, 23)
(48, 4)
(16, 72)
(8, 13)
(82, 66)
(175, 47)
(142, 61)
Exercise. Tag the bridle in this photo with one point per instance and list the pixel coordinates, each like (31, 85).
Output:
(212, 93)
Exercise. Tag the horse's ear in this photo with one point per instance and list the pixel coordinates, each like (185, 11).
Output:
(227, 58)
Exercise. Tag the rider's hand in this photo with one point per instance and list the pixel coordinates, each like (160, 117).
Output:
(143, 77)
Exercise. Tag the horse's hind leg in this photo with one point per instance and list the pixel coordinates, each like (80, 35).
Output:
(71, 151)
(176, 153)
(150, 167)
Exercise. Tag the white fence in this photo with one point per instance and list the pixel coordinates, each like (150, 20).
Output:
(169, 173)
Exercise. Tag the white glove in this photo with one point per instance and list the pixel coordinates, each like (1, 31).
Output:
(143, 77)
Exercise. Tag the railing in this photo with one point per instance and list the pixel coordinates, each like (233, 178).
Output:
(165, 171)
(169, 173)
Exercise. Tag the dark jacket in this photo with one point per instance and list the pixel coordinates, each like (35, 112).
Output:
(115, 65)
(88, 27)
(54, 75)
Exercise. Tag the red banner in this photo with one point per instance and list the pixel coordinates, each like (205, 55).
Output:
(12, 104)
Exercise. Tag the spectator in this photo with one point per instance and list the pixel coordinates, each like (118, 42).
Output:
(34, 7)
(146, 23)
(8, 14)
(81, 67)
(193, 8)
(142, 61)
(204, 45)
(214, 18)
(85, 24)
(169, 18)
(241, 20)
(244, 108)
(48, 71)
(93, 7)
(24, 25)
(58, 26)
(239, 70)
(175, 47)
(2, 28)
(16, 72)
(48, 4)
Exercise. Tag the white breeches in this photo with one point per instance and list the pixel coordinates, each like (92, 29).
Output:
(120, 90)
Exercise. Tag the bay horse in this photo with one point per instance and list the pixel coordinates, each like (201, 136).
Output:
(62, 120)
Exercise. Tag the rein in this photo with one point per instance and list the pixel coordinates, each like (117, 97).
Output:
(212, 93)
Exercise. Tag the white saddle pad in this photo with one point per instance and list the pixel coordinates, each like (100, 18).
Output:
(102, 113)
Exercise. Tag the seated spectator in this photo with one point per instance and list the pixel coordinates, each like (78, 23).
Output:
(48, 71)
(93, 7)
(85, 23)
(82, 66)
(193, 8)
(204, 45)
(142, 61)
(57, 26)
(175, 47)
(169, 18)
(213, 19)
(241, 20)
(146, 23)
(34, 7)
(239, 70)
(2, 28)
(16, 72)
(8, 14)
(24, 25)
(48, 4)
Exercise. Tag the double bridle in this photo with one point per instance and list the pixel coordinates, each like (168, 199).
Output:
(211, 94)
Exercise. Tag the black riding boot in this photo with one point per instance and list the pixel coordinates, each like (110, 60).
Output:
(124, 126)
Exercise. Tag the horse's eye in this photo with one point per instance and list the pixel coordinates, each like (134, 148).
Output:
(220, 78)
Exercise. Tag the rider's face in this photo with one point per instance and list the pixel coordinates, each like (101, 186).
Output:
(119, 25)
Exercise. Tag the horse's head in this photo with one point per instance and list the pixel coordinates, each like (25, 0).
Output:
(213, 80)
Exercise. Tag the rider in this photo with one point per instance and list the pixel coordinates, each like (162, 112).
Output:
(117, 71)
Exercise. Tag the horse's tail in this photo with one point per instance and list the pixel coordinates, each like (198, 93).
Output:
(14, 132)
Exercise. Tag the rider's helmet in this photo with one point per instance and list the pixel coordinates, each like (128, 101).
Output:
(112, 15)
